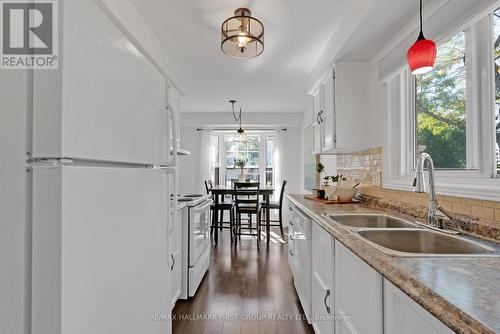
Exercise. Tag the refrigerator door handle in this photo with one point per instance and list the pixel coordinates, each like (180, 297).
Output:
(173, 121)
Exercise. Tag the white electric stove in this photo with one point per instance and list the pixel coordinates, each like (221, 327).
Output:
(195, 242)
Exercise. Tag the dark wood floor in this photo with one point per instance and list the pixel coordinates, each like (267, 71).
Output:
(242, 285)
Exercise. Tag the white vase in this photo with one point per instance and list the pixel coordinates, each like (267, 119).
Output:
(242, 176)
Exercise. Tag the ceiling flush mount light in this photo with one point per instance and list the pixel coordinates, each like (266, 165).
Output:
(241, 137)
(242, 35)
(422, 54)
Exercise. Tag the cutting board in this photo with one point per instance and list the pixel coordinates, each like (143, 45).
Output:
(327, 201)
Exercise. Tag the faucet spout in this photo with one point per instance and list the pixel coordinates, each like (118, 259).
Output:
(434, 215)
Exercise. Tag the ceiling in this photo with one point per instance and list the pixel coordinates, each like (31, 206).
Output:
(379, 27)
(296, 33)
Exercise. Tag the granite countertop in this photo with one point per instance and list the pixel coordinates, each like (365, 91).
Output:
(464, 293)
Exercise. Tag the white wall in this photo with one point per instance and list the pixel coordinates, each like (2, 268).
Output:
(292, 142)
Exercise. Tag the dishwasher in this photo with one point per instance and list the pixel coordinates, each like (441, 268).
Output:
(299, 257)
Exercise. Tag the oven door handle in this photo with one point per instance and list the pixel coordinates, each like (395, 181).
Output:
(202, 207)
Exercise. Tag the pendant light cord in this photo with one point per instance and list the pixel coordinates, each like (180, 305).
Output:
(234, 114)
(421, 21)
(421, 34)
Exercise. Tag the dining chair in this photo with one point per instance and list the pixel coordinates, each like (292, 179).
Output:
(246, 201)
(218, 214)
(275, 206)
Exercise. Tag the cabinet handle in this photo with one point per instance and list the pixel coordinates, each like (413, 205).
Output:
(173, 262)
(324, 300)
(318, 119)
(321, 118)
(290, 252)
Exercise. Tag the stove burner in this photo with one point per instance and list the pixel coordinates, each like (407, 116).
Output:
(193, 195)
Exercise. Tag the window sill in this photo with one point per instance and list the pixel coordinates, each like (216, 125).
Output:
(482, 189)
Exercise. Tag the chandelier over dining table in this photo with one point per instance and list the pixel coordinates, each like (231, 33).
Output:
(242, 35)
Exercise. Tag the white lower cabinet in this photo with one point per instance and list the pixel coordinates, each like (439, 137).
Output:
(403, 315)
(358, 294)
(343, 294)
(175, 260)
(322, 280)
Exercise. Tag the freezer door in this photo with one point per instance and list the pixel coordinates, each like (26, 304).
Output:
(100, 251)
(106, 101)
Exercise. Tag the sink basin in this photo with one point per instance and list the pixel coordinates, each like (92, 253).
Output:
(371, 221)
(419, 242)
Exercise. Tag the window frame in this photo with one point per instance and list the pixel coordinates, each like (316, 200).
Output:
(262, 152)
(400, 158)
(472, 113)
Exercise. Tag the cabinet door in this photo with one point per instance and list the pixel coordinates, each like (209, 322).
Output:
(327, 114)
(358, 294)
(351, 112)
(174, 102)
(403, 315)
(175, 240)
(322, 281)
(302, 273)
(316, 128)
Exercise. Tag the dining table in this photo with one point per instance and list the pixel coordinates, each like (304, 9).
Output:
(266, 192)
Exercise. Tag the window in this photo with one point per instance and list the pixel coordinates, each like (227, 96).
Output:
(452, 113)
(441, 107)
(269, 160)
(496, 55)
(214, 145)
(247, 150)
(257, 150)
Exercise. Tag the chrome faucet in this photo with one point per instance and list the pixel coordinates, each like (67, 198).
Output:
(435, 215)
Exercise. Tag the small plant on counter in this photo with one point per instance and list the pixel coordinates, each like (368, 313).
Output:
(320, 168)
(337, 178)
(240, 163)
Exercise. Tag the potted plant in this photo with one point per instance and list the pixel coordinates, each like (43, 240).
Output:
(241, 163)
(320, 168)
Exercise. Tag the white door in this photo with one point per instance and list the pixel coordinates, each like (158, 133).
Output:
(302, 278)
(322, 281)
(316, 127)
(175, 245)
(106, 101)
(199, 235)
(404, 315)
(100, 251)
(327, 116)
(358, 294)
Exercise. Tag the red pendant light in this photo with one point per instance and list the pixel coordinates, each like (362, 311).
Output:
(422, 54)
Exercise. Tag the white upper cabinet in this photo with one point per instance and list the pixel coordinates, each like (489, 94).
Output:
(340, 113)
(174, 103)
(106, 101)
(316, 125)
(327, 114)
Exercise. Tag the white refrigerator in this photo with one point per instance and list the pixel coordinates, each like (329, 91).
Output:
(99, 177)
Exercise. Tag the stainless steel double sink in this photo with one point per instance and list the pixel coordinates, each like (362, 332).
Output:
(401, 238)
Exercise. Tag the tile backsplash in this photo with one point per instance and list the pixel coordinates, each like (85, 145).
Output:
(472, 215)
(363, 167)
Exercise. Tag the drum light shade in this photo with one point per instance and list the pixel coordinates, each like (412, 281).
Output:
(422, 54)
(242, 35)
